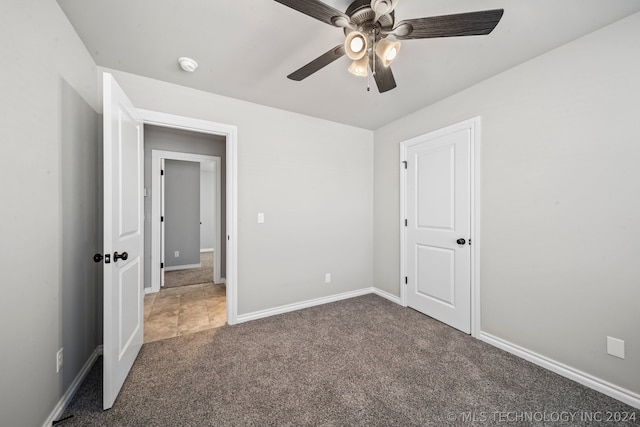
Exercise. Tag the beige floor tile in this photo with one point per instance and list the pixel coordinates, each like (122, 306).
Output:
(217, 305)
(215, 290)
(217, 321)
(193, 312)
(180, 290)
(183, 310)
(195, 325)
(183, 290)
(167, 301)
(150, 298)
(165, 310)
(192, 298)
(160, 328)
(186, 305)
(147, 310)
(156, 335)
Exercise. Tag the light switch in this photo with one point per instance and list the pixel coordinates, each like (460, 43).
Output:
(260, 218)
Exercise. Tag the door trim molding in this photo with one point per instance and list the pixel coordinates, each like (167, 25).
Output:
(156, 199)
(474, 127)
(231, 133)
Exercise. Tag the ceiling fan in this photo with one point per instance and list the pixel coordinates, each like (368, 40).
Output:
(368, 26)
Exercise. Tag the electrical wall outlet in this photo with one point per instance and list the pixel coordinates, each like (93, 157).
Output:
(176, 254)
(59, 359)
(615, 347)
(327, 278)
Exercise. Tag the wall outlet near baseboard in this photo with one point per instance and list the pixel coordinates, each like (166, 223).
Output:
(176, 254)
(615, 347)
(59, 359)
(327, 278)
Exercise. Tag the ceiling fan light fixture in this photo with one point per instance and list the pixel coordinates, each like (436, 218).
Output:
(359, 67)
(356, 45)
(387, 51)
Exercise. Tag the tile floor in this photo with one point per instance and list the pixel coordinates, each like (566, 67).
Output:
(183, 310)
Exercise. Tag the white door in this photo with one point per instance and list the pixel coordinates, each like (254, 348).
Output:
(438, 209)
(123, 238)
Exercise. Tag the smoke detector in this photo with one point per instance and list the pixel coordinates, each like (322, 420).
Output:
(187, 64)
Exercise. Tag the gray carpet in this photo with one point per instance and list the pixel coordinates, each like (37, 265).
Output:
(192, 276)
(362, 361)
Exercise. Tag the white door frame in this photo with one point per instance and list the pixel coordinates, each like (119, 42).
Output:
(231, 133)
(156, 210)
(473, 126)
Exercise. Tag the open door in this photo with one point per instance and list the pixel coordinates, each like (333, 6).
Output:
(123, 238)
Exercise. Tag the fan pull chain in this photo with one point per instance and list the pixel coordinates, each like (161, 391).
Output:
(373, 54)
(373, 60)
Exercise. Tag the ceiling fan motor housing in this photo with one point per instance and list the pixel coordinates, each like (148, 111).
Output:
(362, 15)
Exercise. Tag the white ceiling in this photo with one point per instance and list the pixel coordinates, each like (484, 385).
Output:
(245, 49)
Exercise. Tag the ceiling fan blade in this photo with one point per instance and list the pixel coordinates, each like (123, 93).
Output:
(461, 24)
(383, 76)
(318, 63)
(319, 10)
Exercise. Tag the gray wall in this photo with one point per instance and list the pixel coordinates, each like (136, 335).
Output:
(48, 220)
(560, 200)
(167, 139)
(181, 213)
(81, 231)
(207, 208)
(312, 178)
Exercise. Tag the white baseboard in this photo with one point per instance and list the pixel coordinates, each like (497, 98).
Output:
(73, 388)
(387, 295)
(206, 250)
(300, 305)
(604, 387)
(182, 267)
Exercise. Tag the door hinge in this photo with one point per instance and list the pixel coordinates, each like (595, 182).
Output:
(406, 222)
(405, 164)
(406, 280)
(162, 265)
(161, 171)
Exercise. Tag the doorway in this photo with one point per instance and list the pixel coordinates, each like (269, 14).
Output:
(187, 293)
(228, 173)
(440, 239)
(168, 257)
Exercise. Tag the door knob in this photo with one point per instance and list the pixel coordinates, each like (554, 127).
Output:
(461, 241)
(123, 256)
